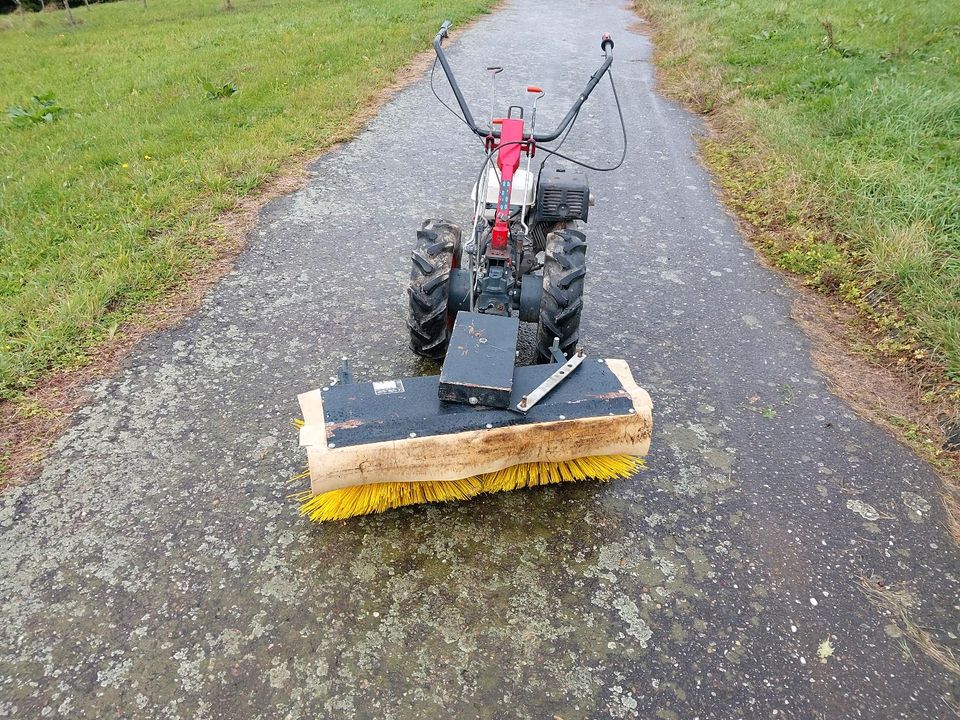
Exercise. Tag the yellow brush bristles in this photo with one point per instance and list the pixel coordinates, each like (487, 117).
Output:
(377, 497)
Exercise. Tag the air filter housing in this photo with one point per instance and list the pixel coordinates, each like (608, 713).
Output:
(562, 195)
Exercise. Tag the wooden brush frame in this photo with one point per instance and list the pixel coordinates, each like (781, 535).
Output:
(365, 437)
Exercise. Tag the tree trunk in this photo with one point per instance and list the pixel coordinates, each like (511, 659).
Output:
(66, 4)
(87, 4)
(19, 7)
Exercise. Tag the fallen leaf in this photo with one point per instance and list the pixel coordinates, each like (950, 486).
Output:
(825, 650)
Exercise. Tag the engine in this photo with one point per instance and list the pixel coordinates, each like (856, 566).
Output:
(562, 195)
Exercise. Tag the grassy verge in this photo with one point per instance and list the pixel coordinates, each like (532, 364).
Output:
(160, 119)
(838, 139)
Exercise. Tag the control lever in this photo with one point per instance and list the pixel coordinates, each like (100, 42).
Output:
(537, 94)
(494, 70)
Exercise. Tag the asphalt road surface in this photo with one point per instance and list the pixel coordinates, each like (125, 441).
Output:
(157, 568)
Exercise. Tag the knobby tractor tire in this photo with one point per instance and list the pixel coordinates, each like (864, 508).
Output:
(436, 253)
(564, 267)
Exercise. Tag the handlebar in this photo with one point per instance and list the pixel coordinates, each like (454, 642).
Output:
(606, 44)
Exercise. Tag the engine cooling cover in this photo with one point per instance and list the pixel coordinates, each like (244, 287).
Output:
(562, 195)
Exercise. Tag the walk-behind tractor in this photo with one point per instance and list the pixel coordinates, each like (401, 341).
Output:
(485, 425)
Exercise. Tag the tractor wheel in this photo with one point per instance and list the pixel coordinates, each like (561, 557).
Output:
(564, 265)
(437, 252)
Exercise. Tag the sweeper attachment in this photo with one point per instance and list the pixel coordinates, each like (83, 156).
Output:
(484, 425)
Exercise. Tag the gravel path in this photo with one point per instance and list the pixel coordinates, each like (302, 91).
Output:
(156, 569)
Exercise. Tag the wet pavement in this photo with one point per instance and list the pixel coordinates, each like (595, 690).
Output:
(156, 568)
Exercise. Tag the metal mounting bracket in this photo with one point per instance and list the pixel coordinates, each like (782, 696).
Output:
(344, 374)
(562, 373)
(556, 355)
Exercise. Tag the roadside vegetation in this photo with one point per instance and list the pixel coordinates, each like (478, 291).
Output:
(125, 134)
(837, 137)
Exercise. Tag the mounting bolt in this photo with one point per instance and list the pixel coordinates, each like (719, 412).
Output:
(472, 400)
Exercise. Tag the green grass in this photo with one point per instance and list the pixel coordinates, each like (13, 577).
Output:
(839, 139)
(109, 205)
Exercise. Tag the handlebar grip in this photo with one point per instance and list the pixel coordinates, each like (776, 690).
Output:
(444, 28)
(606, 42)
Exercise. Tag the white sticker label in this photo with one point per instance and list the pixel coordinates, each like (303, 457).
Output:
(388, 387)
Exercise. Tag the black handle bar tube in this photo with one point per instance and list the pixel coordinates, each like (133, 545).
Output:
(575, 108)
(442, 57)
(606, 44)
